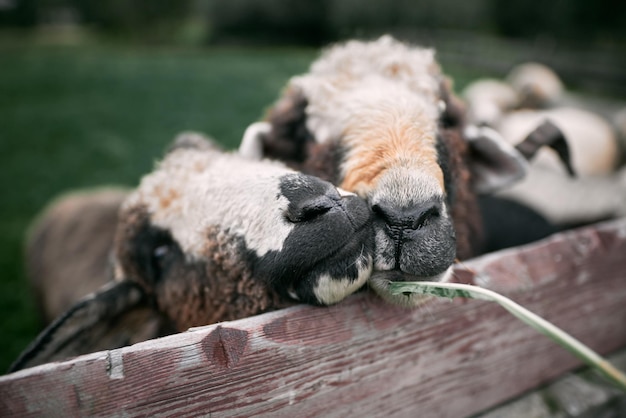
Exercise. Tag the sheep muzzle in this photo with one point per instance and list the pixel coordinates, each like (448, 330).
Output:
(414, 233)
(424, 251)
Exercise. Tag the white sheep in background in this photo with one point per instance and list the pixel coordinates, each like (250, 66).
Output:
(536, 85)
(527, 86)
(598, 189)
(207, 237)
(379, 119)
(488, 99)
(591, 140)
(531, 95)
(567, 201)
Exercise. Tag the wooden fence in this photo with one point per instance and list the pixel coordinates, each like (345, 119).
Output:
(361, 357)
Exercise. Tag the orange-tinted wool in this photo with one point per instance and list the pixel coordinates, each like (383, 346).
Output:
(383, 146)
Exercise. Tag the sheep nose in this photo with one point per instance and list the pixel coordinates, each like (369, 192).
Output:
(414, 217)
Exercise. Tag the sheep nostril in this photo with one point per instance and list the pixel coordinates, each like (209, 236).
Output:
(378, 210)
(414, 217)
(421, 219)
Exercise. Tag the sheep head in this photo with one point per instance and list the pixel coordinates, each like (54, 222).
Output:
(224, 221)
(379, 119)
(210, 236)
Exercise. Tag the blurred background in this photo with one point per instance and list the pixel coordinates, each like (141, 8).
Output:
(92, 91)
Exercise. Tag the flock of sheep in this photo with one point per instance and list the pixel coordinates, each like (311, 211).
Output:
(366, 170)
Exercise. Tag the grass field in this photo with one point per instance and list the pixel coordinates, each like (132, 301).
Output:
(75, 117)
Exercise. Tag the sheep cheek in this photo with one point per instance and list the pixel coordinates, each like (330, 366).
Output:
(219, 286)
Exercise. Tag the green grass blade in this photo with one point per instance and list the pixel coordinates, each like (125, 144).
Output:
(452, 290)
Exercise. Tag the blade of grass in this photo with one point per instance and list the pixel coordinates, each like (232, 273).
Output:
(453, 290)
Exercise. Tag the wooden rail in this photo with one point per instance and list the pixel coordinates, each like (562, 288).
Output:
(361, 357)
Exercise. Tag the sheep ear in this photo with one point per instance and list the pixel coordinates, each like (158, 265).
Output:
(115, 316)
(284, 136)
(253, 138)
(494, 163)
(547, 134)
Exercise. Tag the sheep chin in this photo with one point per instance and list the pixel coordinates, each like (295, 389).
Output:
(379, 281)
(330, 290)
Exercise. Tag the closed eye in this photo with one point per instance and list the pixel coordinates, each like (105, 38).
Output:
(309, 210)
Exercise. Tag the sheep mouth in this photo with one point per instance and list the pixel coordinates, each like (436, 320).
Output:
(359, 243)
(335, 273)
(330, 256)
(360, 233)
(379, 281)
(352, 233)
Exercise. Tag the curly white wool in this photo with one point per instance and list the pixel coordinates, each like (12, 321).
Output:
(175, 195)
(348, 78)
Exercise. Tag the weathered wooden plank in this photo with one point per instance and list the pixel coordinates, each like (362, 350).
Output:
(362, 357)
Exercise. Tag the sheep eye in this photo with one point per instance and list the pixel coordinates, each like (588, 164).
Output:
(161, 251)
(308, 211)
(162, 258)
(149, 253)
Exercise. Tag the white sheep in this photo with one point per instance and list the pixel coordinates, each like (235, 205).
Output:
(568, 201)
(488, 99)
(209, 236)
(591, 140)
(532, 95)
(537, 86)
(527, 86)
(596, 191)
(379, 119)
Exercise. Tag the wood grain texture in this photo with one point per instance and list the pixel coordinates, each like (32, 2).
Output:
(361, 357)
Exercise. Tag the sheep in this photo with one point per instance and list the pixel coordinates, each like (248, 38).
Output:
(592, 141)
(210, 236)
(379, 119)
(527, 86)
(566, 201)
(533, 93)
(487, 100)
(68, 248)
(536, 85)
(598, 189)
